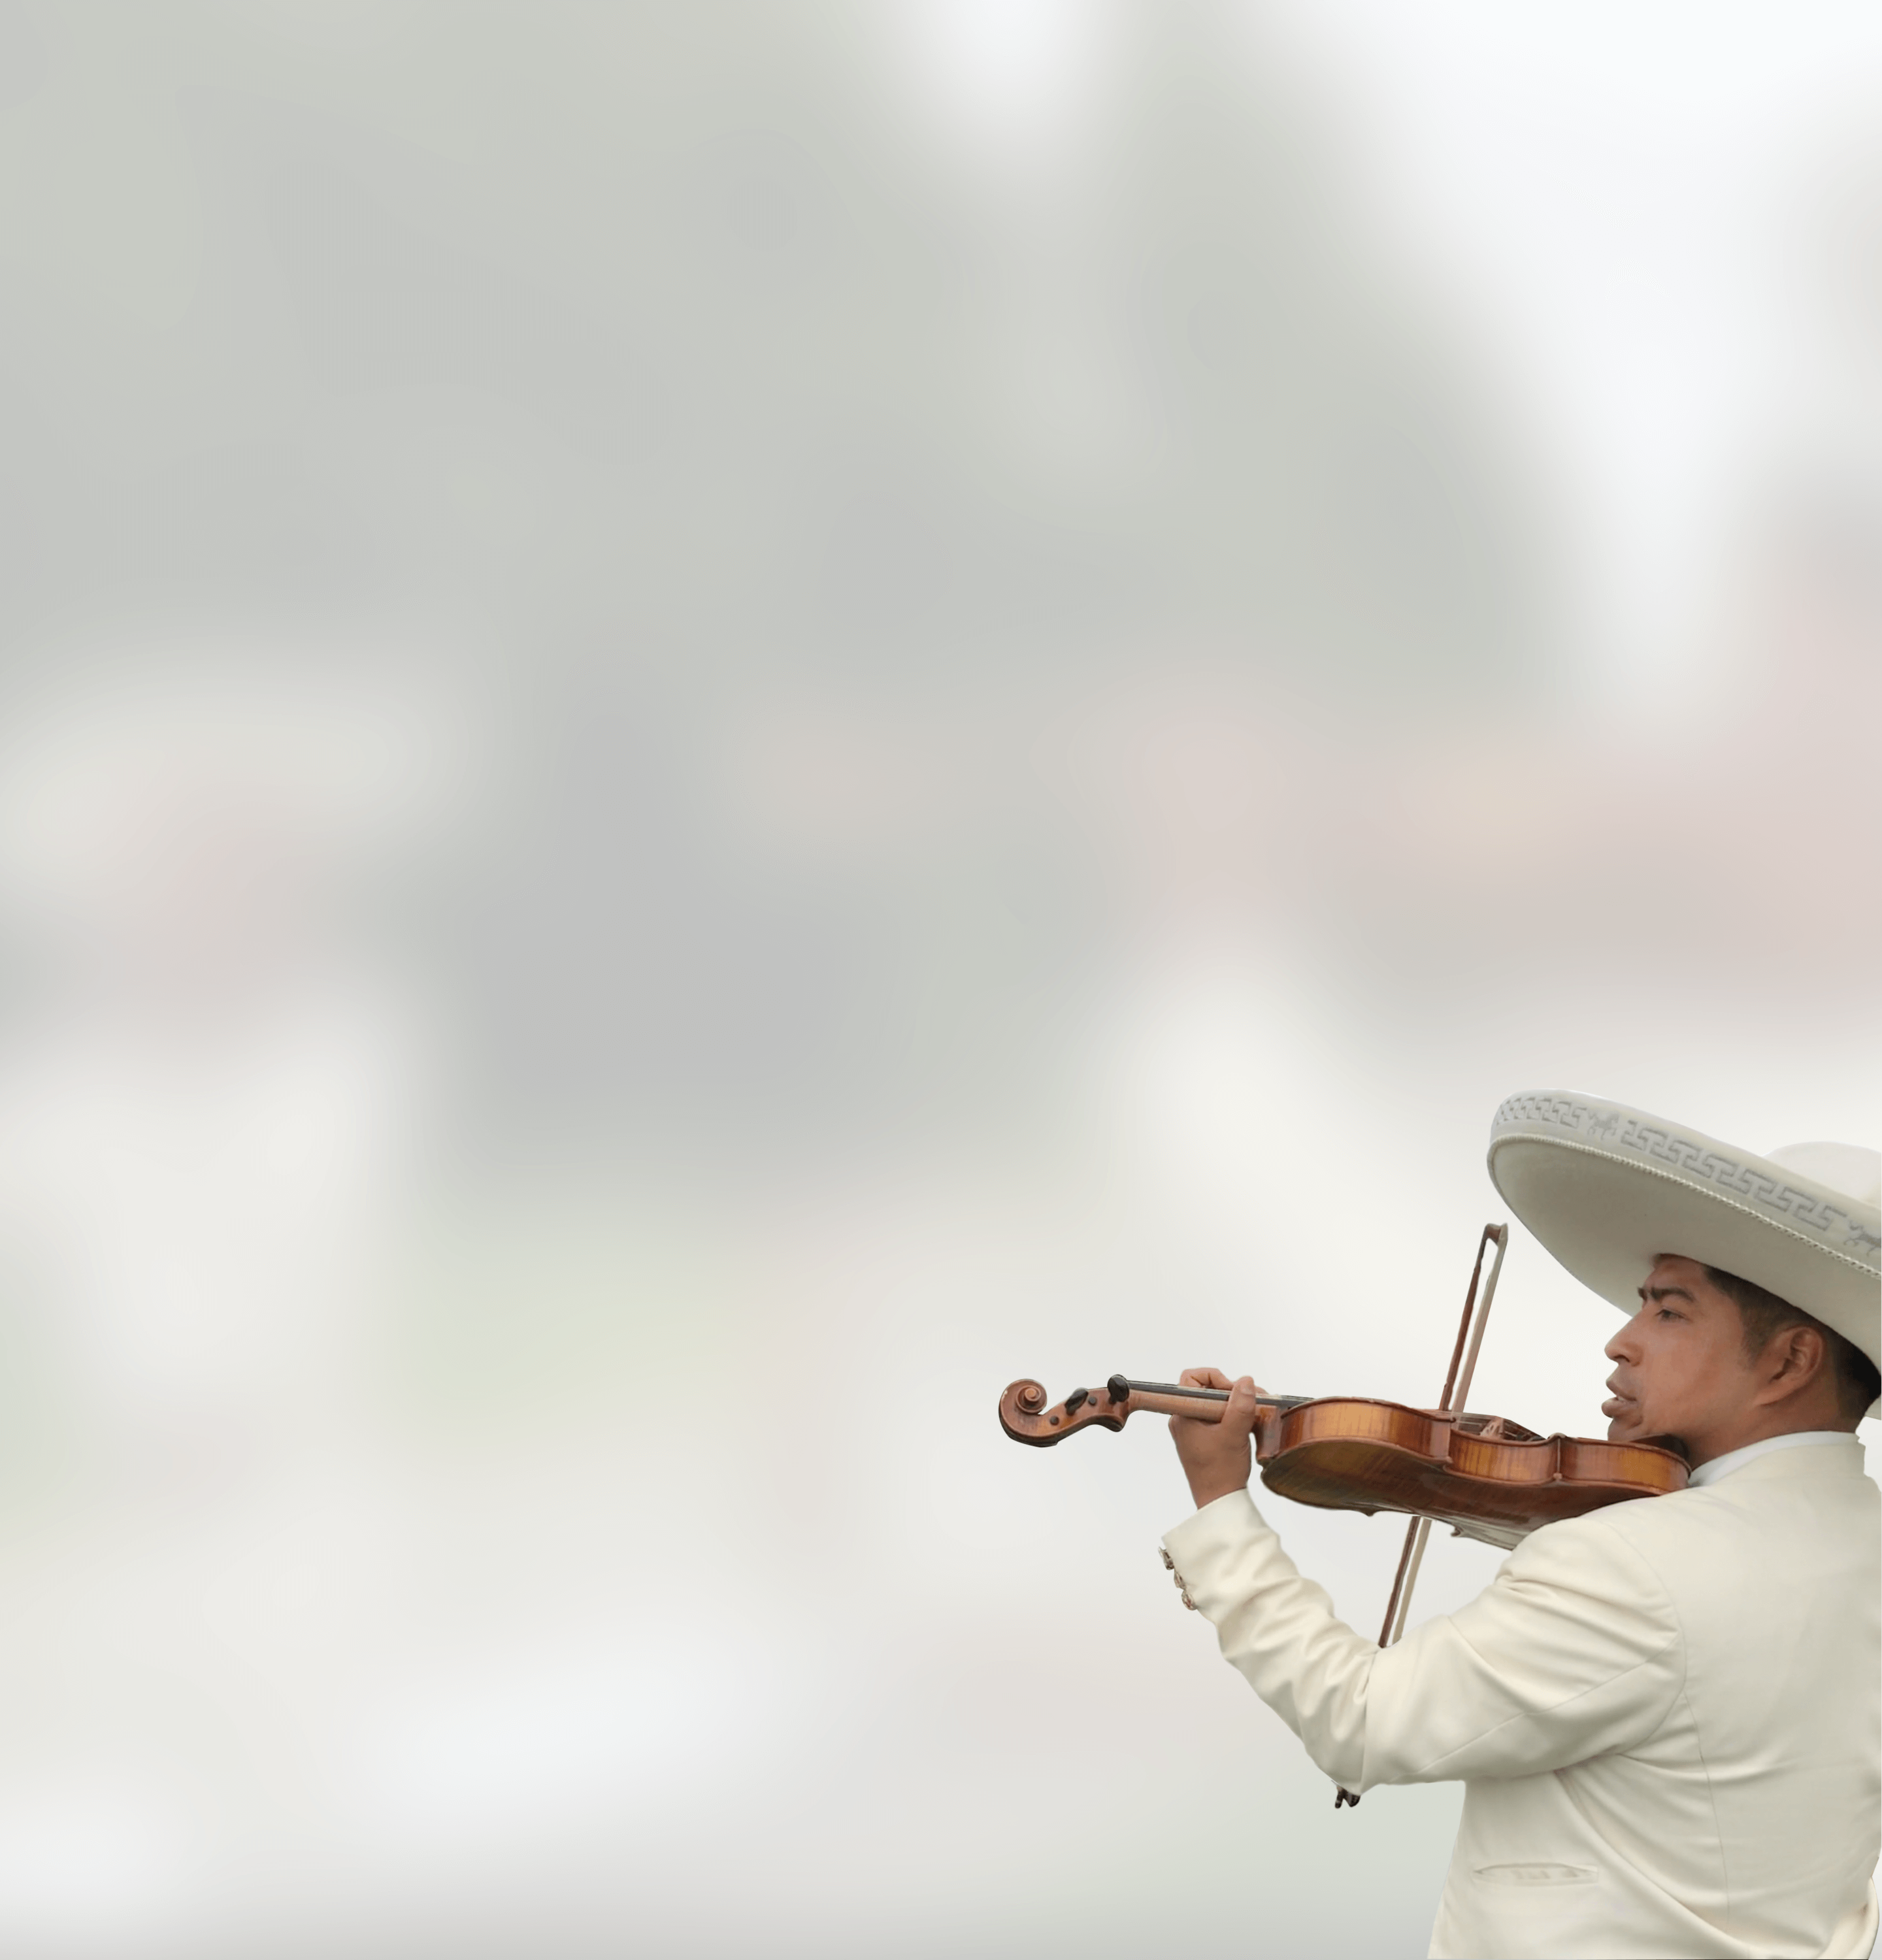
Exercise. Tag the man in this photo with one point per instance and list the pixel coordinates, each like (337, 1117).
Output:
(1665, 1714)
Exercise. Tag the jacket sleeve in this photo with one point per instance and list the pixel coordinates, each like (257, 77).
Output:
(1573, 1650)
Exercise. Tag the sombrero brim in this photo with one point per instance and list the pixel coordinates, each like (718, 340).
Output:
(1606, 1188)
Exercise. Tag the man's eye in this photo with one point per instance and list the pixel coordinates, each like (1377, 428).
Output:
(1671, 1313)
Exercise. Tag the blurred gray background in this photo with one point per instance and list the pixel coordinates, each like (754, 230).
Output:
(720, 721)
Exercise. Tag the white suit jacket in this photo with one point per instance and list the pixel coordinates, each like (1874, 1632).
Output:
(1665, 1715)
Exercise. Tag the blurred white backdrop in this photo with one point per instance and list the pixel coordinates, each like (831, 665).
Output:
(719, 722)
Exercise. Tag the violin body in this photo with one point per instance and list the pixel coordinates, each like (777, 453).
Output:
(1497, 1486)
(1485, 1478)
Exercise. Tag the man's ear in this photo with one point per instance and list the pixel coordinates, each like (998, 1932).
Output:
(1793, 1358)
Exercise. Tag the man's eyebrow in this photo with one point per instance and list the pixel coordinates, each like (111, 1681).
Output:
(1650, 1292)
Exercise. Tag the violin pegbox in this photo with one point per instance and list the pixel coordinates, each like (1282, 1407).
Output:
(1026, 1418)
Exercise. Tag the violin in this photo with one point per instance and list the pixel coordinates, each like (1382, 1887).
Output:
(1487, 1478)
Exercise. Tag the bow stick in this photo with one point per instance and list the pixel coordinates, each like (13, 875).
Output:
(1418, 1531)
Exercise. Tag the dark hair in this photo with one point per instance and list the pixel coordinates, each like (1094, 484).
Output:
(1858, 1381)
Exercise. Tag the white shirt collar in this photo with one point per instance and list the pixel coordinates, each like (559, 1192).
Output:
(1736, 1459)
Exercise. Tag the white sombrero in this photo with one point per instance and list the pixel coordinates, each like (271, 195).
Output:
(1606, 1187)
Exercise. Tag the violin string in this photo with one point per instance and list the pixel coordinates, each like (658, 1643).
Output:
(1212, 1395)
(1177, 1388)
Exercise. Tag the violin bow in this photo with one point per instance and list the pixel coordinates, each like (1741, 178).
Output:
(1457, 1387)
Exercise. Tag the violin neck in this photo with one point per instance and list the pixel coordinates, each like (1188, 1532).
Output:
(1198, 1404)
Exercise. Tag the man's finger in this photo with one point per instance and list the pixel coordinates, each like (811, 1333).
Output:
(1245, 1404)
(1203, 1378)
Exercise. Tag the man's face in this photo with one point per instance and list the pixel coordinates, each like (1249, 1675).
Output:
(1682, 1368)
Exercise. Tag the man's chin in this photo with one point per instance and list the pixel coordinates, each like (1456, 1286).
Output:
(1631, 1427)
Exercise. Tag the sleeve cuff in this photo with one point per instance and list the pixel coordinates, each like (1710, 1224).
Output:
(1201, 1550)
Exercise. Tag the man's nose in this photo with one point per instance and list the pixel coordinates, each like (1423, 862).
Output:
(1624, 1347)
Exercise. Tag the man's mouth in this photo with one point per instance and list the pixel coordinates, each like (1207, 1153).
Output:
(1617, 1403)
